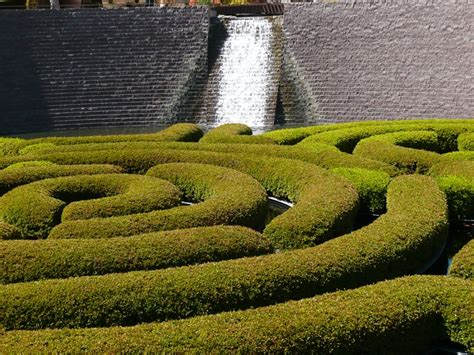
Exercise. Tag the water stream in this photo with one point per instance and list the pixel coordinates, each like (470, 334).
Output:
(244, 77)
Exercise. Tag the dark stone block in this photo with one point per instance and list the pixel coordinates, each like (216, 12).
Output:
(70, 68)
(358, 60)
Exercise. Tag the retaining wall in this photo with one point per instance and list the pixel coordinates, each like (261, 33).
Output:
(358, 60)
(347, 60)
(94, 67)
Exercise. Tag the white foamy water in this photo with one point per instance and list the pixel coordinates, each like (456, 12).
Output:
(245, 73)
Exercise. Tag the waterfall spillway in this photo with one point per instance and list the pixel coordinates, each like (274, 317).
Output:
(243, 82)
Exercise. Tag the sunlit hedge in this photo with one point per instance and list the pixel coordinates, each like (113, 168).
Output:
(346, 139)
(326, 205)
(24, 173)
(404, 316)
(323, 155)
(402, 241)
(54, 258)
(463, 262)
(234, 133)
(7, 231)
(463, 155)
(371, 186)
(407, 151)
(456, 179)
(181, 132)
(9, 146)
(466, 141)
(346, 135)
(113, 257)
(226, 196)
(37, 207)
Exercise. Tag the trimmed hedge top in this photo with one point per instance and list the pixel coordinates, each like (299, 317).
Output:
(405, 315)
(408, 151)
(234, 133)
(463, 262)
(354, 131)
(326, 204)
(30, 171)
(181, 132)
(60, 258)
(37, 207)
(466, 141)
(456, 179)
(319, 154)
(114, 257)
(402, 241)
(226, 196)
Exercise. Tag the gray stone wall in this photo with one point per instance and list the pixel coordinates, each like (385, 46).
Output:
(93, 67)
(358, 60)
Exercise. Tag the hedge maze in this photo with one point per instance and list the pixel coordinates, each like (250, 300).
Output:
(164, 242)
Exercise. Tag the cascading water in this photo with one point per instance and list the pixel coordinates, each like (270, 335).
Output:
(243, 82)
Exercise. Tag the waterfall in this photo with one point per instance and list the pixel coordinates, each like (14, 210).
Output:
(245, 75)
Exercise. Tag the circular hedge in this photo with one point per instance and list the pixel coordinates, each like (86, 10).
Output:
(400, 316)
(36, 208)
(116, 248)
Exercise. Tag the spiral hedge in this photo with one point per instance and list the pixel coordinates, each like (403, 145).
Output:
(463, 262)
(182, 132)
(162, 242)
(36, 208)
(61, 258)
(398, 317)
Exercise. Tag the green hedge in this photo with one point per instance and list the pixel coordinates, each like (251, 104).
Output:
(33, 148)
(7, 231)
(464, 155)
(229, 197)
(8, 146)
(456, 179)
(326, 205)
(466, 141)
(460, 195)
(181, 132)
(403, 316)
(29, 164)
(320, 154)
(291, 136)
(45, 259)
(266, 149)
(234, 133)
(463, 262)
(354, 131)
(26, 172)
(400, 242)
(446, 167)
(371, 186)
(402, 150)
(346, 139)
(37, 207)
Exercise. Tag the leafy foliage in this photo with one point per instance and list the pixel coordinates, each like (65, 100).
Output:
(120, 251)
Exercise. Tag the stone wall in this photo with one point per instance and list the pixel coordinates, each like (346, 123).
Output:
(93, 67)
(342, 60)
(358, 60)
